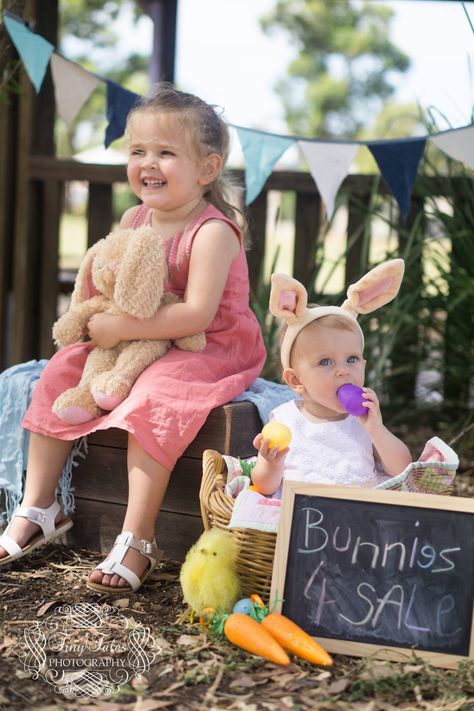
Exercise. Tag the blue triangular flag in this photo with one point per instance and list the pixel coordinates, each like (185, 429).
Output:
(398, 162)
(34, 50)
(119, 103)
(261, 152)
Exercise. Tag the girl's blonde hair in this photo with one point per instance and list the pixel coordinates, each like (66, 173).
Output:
(206, 132)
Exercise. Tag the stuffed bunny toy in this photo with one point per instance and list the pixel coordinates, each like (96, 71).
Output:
(123, 273)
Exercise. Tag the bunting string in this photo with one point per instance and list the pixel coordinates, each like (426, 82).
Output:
(329, 161)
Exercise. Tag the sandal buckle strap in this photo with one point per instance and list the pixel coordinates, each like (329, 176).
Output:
(149, 548)
(43, 517)
(36, 516)
(146, 548)
(114, 565)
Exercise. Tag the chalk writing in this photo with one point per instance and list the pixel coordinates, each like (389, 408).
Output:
(393, 575)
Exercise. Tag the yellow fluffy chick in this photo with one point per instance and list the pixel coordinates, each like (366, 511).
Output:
(208, 575)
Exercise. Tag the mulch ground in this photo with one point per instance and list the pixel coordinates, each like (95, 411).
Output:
(190, 670)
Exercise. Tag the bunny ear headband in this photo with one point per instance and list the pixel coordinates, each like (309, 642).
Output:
(288, 300)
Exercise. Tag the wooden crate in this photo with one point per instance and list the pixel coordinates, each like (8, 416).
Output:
(101, 487)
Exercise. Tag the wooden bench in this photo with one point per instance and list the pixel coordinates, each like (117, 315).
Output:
(101, 485)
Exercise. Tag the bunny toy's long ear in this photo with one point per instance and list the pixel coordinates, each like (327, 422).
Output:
(84, 288)
(288, 298)
(141, 276)
(376, 288)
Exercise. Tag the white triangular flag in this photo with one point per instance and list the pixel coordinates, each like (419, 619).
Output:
(458, 143)
(72, 86)
(329, 164)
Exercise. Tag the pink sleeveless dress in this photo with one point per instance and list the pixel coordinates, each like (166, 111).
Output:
(172, 398)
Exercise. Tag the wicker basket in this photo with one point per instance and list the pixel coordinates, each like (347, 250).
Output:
(256, 548)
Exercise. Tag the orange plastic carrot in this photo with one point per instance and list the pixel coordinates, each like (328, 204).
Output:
(249, 634)
(207, 616)
(257, 600)
(295, 640)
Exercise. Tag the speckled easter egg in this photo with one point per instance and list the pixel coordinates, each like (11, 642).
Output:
(244, 606)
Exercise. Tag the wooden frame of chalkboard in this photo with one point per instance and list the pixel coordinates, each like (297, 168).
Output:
(377, 572)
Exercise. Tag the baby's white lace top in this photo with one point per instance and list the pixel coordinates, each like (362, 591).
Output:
(338, 452)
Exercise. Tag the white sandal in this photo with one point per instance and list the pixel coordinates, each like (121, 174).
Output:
(44, 518)
(113, 564)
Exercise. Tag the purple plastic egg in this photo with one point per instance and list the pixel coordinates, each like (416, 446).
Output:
(350, 397)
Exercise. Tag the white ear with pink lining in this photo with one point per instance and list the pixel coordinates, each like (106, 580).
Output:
(376, 288)
(289, 299)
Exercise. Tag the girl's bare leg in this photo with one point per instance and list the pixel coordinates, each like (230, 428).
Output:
(147, 484)
(46, 458)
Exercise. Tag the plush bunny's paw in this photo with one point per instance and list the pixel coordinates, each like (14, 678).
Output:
(75, 415)
(109, 390)
(67, 331)
(195, 344)
(106, 402)
(76, 408)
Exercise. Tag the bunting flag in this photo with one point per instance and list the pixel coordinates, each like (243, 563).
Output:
(33, 49)
(458, 144)
(328, 161)
(261, 152)
(72, 87)
(398, 162)
(329, 164)
(119, 103)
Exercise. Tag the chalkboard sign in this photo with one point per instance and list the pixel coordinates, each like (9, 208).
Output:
(378, 572)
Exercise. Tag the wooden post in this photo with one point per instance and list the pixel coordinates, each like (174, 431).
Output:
(162, 61)
(8, 126)
(35, 136)
(51, 203)
(257, 218)
(307, 224)
(9, 73)
(357, 249)
(99, 212)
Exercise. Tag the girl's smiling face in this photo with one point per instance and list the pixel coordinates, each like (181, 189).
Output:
(161, 170)
(324, 358)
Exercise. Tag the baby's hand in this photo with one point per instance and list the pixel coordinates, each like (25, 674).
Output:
(371, 422)
(270, 454)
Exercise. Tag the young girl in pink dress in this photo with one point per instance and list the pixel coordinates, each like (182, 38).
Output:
(178, 148)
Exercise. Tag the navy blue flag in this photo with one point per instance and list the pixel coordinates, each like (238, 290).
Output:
(398, 162)
(119, 103)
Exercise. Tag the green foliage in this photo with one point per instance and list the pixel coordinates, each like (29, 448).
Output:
(87, 36)
(428, 329)
(91, 21)
(247, 467)
(341, 73)
(9, 62)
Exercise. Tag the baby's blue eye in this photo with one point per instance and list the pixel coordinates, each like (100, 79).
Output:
(353, 359)
(325, 361)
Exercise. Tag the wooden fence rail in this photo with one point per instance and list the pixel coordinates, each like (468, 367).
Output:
(29, 298)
